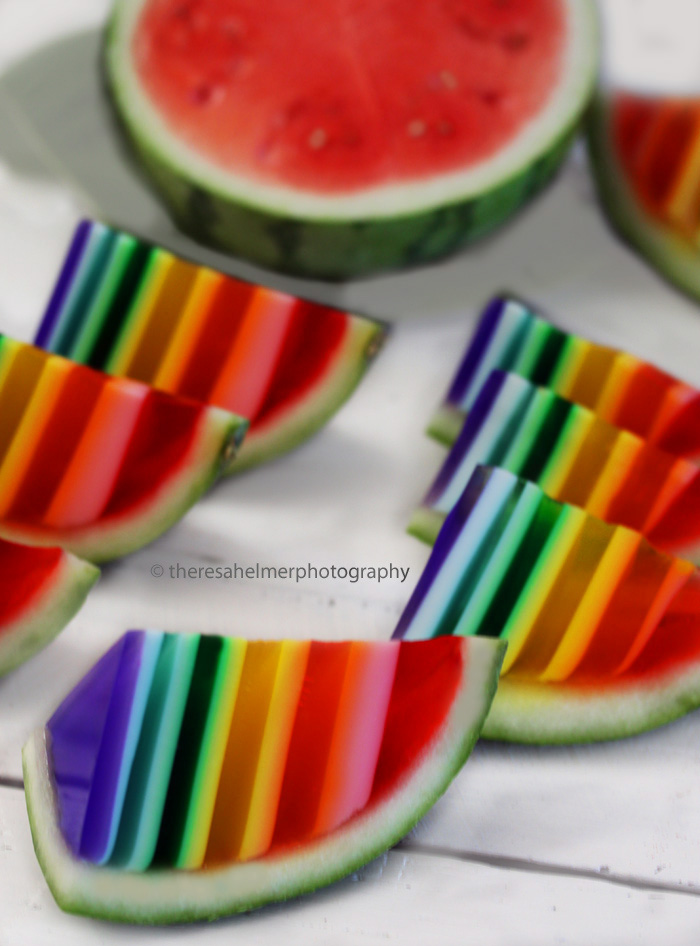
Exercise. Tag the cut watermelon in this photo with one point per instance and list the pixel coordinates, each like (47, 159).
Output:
(364, 137)
(99, 465)
(134, 310)
(190, 777)
(575, 457)
(624, 390)
(41, 590)
(603, 631)
(645, 153)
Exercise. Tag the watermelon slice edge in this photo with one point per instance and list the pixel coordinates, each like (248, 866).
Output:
(166, 896)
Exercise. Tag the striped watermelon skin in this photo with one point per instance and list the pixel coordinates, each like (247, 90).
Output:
(602, 629)
(451, 189)
(187, 776)
(99, 465)
(620, 388)
(41, 589)
(645, 155)
(134, 310)
(335, 250)
(575, 457)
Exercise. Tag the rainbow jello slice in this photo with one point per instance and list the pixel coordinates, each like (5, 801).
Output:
(603, 631)
(134, 310)
(96, 464)
(188, 776)
(574, 456)
(620, 388)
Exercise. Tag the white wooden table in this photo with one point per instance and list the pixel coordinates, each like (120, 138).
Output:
(529, 846)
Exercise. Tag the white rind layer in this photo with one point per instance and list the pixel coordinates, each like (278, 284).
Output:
(549, 713)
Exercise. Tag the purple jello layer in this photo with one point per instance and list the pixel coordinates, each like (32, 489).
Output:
(63, 284)
(488, 323)
(88, 733)
(476, 418)
(449, 533)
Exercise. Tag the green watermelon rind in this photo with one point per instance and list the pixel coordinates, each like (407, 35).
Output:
(163, 896)
(671, 255)
(352, 235)
(425, 524)
(446, 424)
(561, 714)
(49, 611)
(215, 442)
(303, 418)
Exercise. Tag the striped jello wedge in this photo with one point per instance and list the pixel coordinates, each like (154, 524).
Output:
(96, 464)
(603, 631)
(187, 777)
(575, 457)
(622, 389)
(134, 310)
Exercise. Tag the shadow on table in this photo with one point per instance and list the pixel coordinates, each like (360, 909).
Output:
(58, 100)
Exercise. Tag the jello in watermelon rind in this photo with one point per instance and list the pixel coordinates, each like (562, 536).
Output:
(362, 228)
(210, 453)
(132, 309)
(99, 465)
(603, 630)
(413, 770)
(305, 414)
(670, 245)
(53, 585)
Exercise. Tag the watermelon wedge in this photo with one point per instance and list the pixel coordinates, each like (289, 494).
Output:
(189, 777)
(366, 137)
(99, 465)
(624, 390)
(131, 309)
(41, 589)
(575, 457)
(645, 154)
(603, 631)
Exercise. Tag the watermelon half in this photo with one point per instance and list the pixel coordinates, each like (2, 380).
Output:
(621, 388)
(363, 137)
(95, 464)
(645, 154)
(189, 777)
(575, 457)
(603, 630)
(41, 589)
(134, 310)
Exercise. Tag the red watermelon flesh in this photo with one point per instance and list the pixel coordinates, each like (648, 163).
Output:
(347, 97)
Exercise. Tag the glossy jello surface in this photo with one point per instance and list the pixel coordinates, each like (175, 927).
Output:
(575, 457)
(620, 388)
(189, 751)
(79, 448)
(132, 309)
(578, 600)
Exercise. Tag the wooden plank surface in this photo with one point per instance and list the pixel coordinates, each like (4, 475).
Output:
(628, 811)
(406, 896)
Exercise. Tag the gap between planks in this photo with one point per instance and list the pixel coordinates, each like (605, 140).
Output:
(504, 862)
